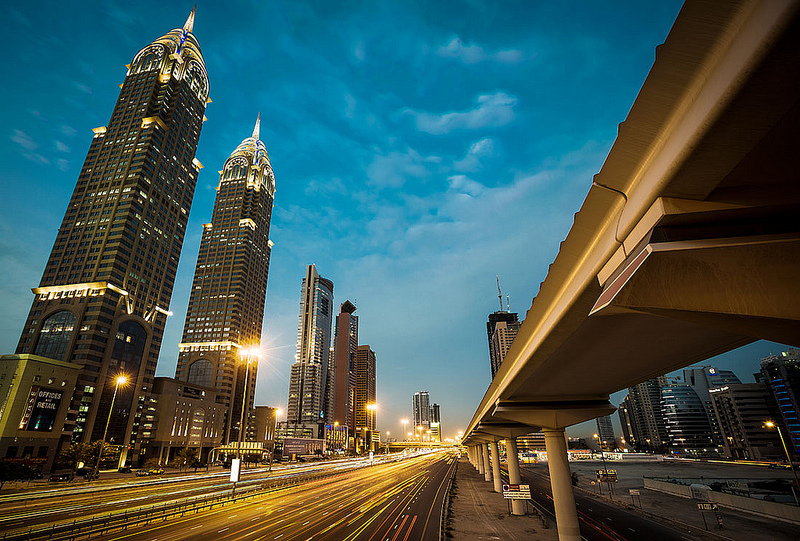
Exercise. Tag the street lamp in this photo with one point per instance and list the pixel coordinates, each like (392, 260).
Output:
(770, 424)
(120, 380)
(404, 422)
(248, 355)
(371, 409)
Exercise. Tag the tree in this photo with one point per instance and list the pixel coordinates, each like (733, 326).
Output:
(85, 453)
(187, 457)
(14, 471)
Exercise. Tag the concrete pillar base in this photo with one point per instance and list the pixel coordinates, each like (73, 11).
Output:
(561, 484)
(517, 506)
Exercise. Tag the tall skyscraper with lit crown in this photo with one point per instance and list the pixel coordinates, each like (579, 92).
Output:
(226, 305)
(105, 293)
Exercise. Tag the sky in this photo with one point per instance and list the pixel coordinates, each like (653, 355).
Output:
(419, 149)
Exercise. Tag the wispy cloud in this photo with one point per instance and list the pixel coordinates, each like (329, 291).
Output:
(24, 140)
(393, 169)
(472, 161)
(492, 111)
(61, 146)
(473, 54)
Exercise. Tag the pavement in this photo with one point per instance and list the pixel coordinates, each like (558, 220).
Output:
(477, 512)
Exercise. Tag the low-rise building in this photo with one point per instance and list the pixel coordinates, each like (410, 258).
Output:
(35, 394)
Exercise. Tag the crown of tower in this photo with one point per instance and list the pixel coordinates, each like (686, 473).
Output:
(175, 54)
(251, 152)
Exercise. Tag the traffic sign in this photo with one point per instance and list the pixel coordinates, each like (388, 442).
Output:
(517, 492)
(707, 506)
(633, 492)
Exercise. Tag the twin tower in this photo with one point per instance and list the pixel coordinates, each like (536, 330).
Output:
(104, 296)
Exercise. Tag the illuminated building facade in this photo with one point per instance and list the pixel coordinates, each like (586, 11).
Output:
(104, 296)
(421, 406)
(365, 388)
(501, 329)
(34, 398)
(345, 351)
(782, 373)
(226, 305)
(308, 380)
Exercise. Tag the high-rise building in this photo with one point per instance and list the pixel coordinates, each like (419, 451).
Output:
(740, 410)
(364, 403)
(701, 380)
(645, 415)
(421, 406)
(782, 374)
(308, 380)
(686, 421)
(345, 351)
(105, 293)
(605, 432)
(226, 304)
(629, 432)
(436, 423)
(501, 329)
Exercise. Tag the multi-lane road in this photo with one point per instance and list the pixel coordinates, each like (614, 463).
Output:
(395, 501)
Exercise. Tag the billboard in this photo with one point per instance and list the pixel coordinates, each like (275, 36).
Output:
(41, 409)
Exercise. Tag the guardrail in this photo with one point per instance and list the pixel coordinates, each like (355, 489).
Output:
(69, 531)
(444, 516)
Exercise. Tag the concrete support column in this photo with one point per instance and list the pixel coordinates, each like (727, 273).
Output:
(498, 481)
(517, 506)
(561, 484)
(481, 465)
(487, 471)
(472, 457)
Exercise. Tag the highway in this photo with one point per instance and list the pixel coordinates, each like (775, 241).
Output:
(599, 521)
(394, 501)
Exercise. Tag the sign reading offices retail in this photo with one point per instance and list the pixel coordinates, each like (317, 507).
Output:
(40, 409)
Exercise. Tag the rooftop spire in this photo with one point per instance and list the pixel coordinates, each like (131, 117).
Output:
(188, 26)
(257, 129)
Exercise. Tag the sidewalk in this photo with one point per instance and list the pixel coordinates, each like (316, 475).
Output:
(477, 512)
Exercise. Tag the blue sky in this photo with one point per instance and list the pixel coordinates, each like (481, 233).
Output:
(419, 149)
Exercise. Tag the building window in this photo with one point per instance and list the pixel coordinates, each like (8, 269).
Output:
(55, 335)
(200, 372)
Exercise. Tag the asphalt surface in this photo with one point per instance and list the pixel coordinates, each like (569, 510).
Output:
(397, 501)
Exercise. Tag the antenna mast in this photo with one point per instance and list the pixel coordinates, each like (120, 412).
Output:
(499, 294)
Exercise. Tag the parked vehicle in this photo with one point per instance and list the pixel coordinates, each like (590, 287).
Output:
(124, 469)
(155, 471)
(56, 477)
(142, 473)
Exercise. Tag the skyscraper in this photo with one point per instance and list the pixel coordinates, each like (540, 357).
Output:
(104, 296)
(365, 388)
(345, 351)
(701, 380)
(605, 432)
(308, 380)
(782, 373)
(421, 406)
(645, 416)
(226, 305)
(501, 329)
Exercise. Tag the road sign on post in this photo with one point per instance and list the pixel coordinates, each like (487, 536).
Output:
(517, 492)
(235, 464)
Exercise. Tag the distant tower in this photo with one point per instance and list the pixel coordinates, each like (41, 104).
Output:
(365, 388)
(501, 329)
(421, 405)
(605, 431)
(645, 415)
(345, 351)
(782, 374)
(226, 305)
(436, 423)
(104, 296)
(308, 380)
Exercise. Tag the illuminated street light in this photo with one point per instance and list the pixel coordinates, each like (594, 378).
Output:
(248, 355)
(770, 424)
(404, 422)
(119, 381)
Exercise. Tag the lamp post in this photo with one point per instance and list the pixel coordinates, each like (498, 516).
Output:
(120, 380)
(246, 355)
(404, 422)
(274, 435)
(371, 409)
(770, 424)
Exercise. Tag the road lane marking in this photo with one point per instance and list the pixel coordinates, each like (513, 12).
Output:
(222, 530)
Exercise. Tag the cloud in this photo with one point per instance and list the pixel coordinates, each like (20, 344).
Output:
(61, 147)
(479, 149)
(465, 185)
(359, 52)
(492, 111)
(473, 54)
(24, 140)
(351, 104)
(62, 164)
(393, 169)
(69, 131)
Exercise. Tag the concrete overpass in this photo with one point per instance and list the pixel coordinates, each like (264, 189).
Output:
(686, 246)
